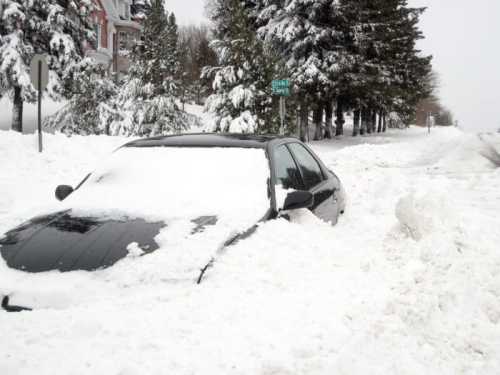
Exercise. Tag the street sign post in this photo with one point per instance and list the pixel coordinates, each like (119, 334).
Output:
(281, 87)
(39, 72)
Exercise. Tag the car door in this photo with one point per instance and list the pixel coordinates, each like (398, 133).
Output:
(316, 181)
(286, 172)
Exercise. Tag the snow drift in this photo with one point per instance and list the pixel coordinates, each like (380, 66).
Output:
(298, 297)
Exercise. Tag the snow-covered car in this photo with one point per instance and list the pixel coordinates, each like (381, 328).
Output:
(186, 194)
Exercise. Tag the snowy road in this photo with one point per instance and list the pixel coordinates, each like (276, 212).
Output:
(407, 283)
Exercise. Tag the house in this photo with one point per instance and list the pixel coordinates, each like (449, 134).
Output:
(116, 29)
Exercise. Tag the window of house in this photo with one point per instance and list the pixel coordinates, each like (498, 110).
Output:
(98, 35)
(123, 41)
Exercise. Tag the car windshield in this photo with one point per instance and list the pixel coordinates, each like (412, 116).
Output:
(163, 182)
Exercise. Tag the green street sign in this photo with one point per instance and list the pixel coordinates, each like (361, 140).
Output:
(281, 87)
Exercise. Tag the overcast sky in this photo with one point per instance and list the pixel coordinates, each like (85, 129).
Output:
(187, 11)
(464, 38)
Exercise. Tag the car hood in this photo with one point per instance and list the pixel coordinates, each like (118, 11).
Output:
(37, 256)
(65, 242)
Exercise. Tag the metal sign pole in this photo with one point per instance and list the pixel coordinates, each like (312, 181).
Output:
(282, 127)
(40, 144)
(281, 87)
(39, 75)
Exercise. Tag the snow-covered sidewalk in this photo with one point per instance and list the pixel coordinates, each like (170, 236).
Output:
(408, 282)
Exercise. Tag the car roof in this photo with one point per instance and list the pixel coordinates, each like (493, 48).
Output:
(208, 140)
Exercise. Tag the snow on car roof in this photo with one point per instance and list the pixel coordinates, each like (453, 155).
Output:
(161, 183)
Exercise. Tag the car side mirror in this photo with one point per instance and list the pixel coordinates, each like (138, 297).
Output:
(62, 192)
(298, 199)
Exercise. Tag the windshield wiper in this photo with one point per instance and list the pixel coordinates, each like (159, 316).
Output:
(231, 241)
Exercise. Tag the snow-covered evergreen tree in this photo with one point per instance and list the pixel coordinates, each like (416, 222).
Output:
(305, 34)
(359, 53)
(148, 96)
(241, 101)
(55, 28)
(388, 72)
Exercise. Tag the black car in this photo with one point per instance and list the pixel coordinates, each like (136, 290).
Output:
(221, 184)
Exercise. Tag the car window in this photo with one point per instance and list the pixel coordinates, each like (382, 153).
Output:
(287, 174)
(311, 171)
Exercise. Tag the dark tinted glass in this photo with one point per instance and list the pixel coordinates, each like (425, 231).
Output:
(311, 171)
(287, 174)
(67, 243)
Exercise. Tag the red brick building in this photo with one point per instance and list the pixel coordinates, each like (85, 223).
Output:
(116, 32)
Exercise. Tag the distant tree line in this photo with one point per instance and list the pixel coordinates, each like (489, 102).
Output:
(431, 108)
(341, 56)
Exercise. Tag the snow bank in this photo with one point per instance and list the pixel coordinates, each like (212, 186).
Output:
(420, 216)
(298, 297)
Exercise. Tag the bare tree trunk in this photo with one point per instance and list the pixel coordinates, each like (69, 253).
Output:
(357, 118)
(317, 119)
(304, 123)
(339, 117)
(384, 123)
(379, 129)
(17, 110)
(298, 123)
(364, 121)
(368, 120)
(329, 119)
(374, 121)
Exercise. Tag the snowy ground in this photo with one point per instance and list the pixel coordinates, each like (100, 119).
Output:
(407, 283)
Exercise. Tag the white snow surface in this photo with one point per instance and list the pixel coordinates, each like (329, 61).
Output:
(408, 282)
(160, 183)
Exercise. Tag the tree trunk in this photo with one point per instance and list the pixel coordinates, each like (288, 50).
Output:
(374, 121)
(304, 123)
(339, 117)
(329, 119)
(298, 123)
(368, 120)
(379, 129)
(317, 119)
(364, 121)
(384, 123)
(17, 110)
(355, 128)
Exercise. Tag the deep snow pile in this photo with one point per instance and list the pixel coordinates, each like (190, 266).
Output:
(408, 282)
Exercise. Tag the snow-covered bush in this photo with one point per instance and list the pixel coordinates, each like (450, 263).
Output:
(143, 113)
(90, 109)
